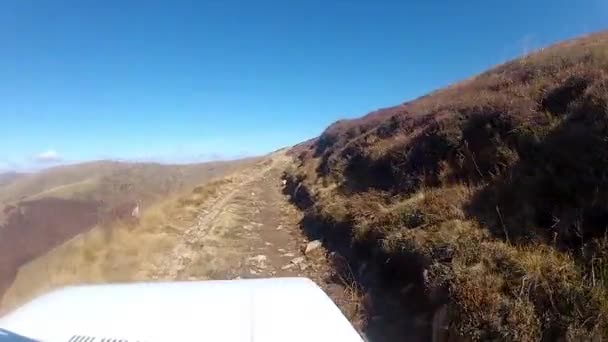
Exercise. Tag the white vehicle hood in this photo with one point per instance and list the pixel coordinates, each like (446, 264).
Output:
(265, 310)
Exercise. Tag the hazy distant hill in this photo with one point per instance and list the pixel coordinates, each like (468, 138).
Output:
(107, 180)
(8, 177)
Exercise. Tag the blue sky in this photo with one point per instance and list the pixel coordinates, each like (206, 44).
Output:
(177, 81)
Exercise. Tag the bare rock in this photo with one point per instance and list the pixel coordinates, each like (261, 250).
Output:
(259, 261)
(298, 260)
(135, 212)
(312, 245)
(258, 258)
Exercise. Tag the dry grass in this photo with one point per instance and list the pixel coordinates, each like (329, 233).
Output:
(495, 188)
(354, 293)
(121, 252)
(202, 193)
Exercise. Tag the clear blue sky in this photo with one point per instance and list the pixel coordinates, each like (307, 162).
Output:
(181, 81)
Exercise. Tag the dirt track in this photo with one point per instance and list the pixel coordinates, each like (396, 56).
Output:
(252, 231)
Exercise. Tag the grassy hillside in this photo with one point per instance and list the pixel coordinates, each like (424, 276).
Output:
(488, 198)
(43, 210)
(116, 252)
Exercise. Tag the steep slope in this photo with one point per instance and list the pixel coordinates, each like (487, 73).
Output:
(41, 211)
(482, 206)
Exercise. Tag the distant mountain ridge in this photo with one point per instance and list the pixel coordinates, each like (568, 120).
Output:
(19, 186)
(8, 177)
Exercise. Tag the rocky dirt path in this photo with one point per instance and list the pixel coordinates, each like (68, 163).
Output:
(251, 230)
